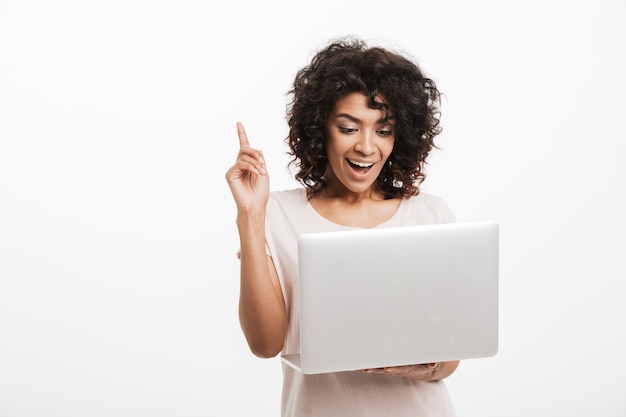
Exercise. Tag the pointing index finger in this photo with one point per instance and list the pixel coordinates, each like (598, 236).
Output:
(243, 138)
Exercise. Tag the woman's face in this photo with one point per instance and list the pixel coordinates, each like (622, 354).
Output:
(358, 143)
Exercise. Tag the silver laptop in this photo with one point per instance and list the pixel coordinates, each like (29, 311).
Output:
(382, 297)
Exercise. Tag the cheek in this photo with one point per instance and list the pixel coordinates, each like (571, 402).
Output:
(333, 152)
(388, 149)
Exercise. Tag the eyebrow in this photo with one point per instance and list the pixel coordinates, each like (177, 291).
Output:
(357, 120)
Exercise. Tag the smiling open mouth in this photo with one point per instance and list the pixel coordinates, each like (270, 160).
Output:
(360, 165)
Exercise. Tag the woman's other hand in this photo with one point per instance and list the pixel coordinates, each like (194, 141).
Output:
(423, 372)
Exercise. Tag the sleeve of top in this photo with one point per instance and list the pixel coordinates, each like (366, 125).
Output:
(444, 213)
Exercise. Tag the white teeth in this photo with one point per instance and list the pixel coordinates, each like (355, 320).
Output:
(360, 164)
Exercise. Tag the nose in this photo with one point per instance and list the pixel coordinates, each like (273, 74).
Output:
(365, 142)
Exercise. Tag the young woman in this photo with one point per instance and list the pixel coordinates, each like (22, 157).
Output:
(362, 122)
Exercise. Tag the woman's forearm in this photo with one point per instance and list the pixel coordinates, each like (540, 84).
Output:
(261, 306)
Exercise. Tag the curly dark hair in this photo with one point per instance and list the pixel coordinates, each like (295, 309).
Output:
(346, 66)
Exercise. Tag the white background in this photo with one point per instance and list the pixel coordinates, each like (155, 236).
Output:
(118, 276)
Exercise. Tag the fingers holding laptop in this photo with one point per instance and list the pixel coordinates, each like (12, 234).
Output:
(420, 371)
(423, 372)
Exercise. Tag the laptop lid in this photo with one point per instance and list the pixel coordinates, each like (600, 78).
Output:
(396, 296)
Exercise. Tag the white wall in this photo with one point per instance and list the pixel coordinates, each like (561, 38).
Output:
(118, 281)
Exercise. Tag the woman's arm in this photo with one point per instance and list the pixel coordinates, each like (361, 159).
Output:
(261, 306)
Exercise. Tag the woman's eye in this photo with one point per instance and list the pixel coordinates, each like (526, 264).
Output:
(385, 132)
(346, 129)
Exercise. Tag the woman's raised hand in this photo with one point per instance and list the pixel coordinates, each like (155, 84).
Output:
(248, 179)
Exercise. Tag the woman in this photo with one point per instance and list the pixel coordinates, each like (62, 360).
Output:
(362, 122)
